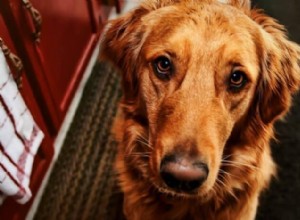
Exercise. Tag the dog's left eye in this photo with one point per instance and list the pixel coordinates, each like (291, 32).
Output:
(237, 80)
(162, 67)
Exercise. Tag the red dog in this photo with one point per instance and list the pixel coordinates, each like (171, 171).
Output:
(203, 84)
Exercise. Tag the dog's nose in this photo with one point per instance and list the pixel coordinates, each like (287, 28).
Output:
(183, 173)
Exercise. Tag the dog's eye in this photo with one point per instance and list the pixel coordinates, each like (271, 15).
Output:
(162, 67)
(237, 80)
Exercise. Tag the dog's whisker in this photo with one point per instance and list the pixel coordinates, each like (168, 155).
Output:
(227, 156)
(131, 149)
(227, 174)
(218, 188)
(143, 142)
(238, 164)
(224, 186)
(143, 138)
(220, 182)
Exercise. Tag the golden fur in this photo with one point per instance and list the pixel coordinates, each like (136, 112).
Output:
(193, 110)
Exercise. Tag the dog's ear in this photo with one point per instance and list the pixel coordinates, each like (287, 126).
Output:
(280, 71)
(122, 40)
(121, 43)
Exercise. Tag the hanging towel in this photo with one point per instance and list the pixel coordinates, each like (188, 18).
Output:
(20, 139)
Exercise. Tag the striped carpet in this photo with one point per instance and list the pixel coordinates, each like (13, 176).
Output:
(82, 184)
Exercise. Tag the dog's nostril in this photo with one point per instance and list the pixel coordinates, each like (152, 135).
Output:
(183, 174)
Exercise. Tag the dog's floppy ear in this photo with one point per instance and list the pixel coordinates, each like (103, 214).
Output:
(120, 44)
(280, 71)
(123, 35)
(122, 40)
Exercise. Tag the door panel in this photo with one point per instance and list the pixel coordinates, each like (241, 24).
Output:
(66, 38)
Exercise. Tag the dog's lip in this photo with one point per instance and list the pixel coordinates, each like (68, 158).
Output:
(175, 193)
(168, 195)
(179, 194)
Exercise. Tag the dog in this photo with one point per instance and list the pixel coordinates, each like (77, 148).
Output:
(203, 83)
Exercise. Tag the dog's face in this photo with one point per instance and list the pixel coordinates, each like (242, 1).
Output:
(195, 73)
(196, 86)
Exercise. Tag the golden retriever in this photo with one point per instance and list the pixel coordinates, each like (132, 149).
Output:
(203, 83)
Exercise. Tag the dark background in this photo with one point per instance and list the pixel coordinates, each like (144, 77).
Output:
(282, 200)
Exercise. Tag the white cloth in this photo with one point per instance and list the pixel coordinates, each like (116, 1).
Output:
(20, 139)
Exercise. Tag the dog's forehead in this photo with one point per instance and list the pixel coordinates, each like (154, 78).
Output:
(196, 20)
(206, 28)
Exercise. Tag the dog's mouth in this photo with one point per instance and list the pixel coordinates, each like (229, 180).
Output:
(169, 194)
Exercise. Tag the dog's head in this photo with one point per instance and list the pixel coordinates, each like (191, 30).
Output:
(199, 79)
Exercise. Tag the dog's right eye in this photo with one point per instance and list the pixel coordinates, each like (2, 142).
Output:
(162, 67)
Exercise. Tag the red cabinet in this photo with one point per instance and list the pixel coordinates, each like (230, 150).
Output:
(66, 42)
(53, 61)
